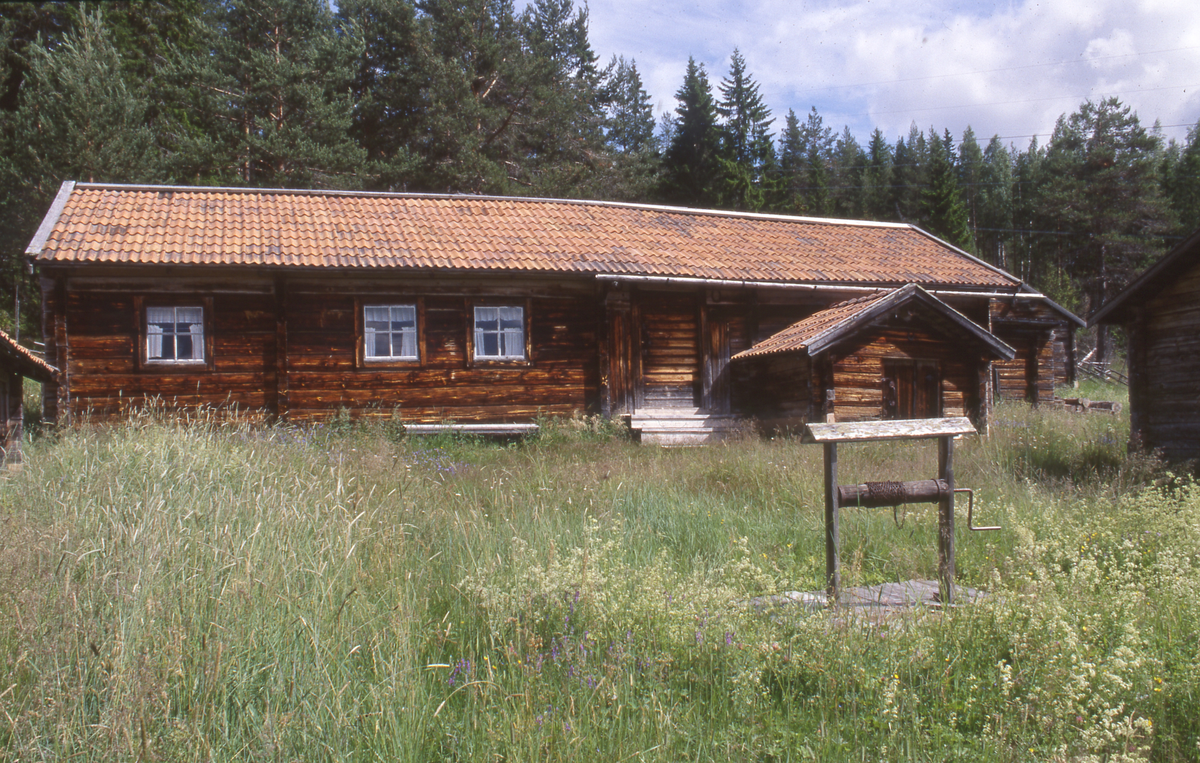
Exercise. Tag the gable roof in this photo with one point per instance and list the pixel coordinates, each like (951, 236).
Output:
(99, 223)
(823, 329)
(23, 361)
(1157, 277)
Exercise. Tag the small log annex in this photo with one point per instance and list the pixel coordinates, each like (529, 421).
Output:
(1160, 313)
(495, 311)
(16, 365)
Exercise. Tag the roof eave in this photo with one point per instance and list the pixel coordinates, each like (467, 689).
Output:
(1114, 311)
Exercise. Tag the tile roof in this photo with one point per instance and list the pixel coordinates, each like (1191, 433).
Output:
(821, 330)
(148, 224)
(797, 336)
(25, 362)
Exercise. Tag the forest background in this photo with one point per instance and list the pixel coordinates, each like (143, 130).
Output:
(472, 96)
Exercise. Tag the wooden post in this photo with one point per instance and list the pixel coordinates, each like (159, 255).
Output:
(946, 519)
(282, 393)
(833, 573)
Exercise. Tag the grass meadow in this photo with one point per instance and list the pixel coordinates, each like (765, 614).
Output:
(216, 591)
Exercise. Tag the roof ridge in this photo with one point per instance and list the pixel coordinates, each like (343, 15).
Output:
(487, 197)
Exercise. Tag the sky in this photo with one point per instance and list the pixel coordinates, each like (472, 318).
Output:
(1008, 69)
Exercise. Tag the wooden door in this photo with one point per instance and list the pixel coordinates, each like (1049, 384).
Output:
(912, 389)
(715, 393)
(669, 371)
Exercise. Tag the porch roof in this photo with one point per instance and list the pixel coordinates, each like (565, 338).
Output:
(823, 329)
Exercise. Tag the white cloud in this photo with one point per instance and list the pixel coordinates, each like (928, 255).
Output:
(1007, 68)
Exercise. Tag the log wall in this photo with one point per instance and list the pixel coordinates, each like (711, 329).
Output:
(1044, 345)
(293, 348)
(1164, 370)
(858, 371)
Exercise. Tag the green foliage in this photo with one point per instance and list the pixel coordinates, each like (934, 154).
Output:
(1103, 192)
(1182, 184)
(691, 162)
(942, 208)
(210, 590)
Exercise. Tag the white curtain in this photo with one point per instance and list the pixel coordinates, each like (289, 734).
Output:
(193, 319)
(156, 319)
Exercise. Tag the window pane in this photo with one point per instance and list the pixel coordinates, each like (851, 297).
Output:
(174, 333)
(408, 344)
(487, 318)
(404, 317)
(390, 331)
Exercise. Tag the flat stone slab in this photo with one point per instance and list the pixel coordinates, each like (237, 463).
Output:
(881, 600)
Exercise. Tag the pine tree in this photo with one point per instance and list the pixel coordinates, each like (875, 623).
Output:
(1103, 194)
(77, 119)
(691, 165)
(562, 142)
(477, 96)
(270, 95)
(629, 119)
(386, 87)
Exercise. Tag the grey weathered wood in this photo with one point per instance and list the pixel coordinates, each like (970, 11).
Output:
(916, 491)
(833, 575)
(946, 519)
(903, 429)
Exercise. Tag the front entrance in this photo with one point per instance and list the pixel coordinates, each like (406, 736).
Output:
(912, 389)
(669, 355)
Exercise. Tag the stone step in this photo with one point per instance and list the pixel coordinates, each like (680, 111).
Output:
(680, 438)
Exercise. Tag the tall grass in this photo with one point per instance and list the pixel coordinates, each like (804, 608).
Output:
(209, 590)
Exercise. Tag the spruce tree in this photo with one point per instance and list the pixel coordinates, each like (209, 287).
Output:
(791, 165)
(691, 165)
(1183, 183)
(747, 147)
(942, 210)
(911, 167)
(877, 179)
(849, 169)
(970, 170)
(994, 204)
(816, 141)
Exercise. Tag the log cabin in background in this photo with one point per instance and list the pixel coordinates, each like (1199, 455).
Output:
(16, 365)
(1160, 312)
(493, 311)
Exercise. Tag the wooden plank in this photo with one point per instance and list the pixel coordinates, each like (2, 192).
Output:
(900, 429)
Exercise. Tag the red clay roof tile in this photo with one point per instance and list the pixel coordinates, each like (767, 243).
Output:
(102, 223)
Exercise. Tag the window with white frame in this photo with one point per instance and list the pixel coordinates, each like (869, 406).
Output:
(390, 332)
(499, 333)
(175, 334)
